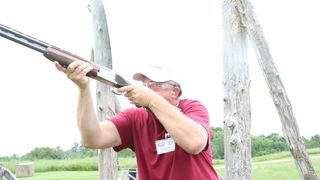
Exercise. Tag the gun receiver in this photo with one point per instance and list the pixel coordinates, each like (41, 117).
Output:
(99, 73)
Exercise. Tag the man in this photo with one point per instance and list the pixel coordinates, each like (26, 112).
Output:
(170, 136)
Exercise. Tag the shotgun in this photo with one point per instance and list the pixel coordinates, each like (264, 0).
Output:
(6, 173)
(53, 53)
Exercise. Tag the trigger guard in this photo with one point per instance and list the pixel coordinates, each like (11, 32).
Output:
(114, 90)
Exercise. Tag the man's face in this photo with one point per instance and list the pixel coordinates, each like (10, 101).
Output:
(164, 89)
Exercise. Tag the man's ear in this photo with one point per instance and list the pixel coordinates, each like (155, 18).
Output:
(175, 91)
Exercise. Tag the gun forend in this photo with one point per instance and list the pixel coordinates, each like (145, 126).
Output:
(99, 73)
(65, 58)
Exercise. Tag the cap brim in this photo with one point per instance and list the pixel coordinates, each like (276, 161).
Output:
(138, 76)
(153, 73)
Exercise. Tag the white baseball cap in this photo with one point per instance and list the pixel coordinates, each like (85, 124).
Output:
(155, 73)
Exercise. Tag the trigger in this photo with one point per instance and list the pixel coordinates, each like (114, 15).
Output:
(114, 90)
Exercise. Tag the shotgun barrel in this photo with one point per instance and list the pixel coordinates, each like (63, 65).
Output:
(23, 39)
(99, 73)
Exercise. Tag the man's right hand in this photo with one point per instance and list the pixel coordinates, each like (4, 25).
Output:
(76, 72)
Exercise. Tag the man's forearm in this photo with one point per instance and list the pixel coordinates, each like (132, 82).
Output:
(188, 134)
(86, 116)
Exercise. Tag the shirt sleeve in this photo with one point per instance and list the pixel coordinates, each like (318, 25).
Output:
(199, 113)
(123, 123)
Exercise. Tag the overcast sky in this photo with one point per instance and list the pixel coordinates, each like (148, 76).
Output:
(38, 104)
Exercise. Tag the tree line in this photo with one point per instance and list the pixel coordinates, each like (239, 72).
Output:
(78, 150)
(260, 145)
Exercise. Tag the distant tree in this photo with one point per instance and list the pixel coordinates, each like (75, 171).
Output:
(86, 152)
(278, 143)
(78, 150)
(45, 153)
(315, 141)
(262, 145)
(217, 143)
(14, 156)
(75, 148)
(126, 153)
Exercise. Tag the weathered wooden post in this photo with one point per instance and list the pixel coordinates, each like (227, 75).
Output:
(289, 125)
(106, 101)
(237, 115)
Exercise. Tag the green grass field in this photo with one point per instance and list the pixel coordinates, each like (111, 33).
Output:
(64, 175)
(279, 169)
(278, 166)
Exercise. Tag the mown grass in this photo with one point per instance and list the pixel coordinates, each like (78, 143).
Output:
(280, 170)
(64, 175)
(283, 155)
(85, 164)
(277, 170)
(260, 171)
(282, 167)
(87, 168)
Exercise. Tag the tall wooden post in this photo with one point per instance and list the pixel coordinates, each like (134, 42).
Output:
(106, 105)
(237, 115)
(289, 125)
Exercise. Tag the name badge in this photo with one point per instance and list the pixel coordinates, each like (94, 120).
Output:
(165, 146)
